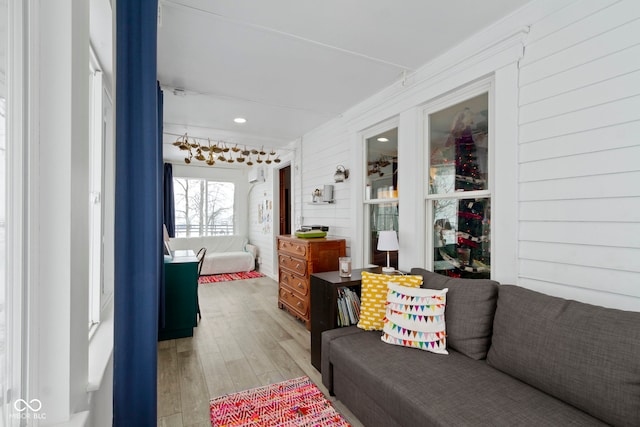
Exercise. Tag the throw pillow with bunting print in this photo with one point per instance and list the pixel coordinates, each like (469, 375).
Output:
(415, 318)
(374, 296)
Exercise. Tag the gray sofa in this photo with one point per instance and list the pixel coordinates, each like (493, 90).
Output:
(516, 358)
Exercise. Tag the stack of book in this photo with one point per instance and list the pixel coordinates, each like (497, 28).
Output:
(348, 307)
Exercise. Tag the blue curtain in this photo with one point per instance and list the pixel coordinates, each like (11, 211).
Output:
(169, 206)
(138, 221)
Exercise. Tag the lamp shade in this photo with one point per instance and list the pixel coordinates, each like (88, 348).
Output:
(388, 241)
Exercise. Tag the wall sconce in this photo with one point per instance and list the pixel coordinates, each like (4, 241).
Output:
(341, 174)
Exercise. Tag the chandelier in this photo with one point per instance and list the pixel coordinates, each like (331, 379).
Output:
(220, 152)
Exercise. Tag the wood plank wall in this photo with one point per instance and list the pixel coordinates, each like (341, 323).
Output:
(579, 154)
(578, 205)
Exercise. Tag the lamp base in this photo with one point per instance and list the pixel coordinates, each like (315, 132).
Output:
(388, 270)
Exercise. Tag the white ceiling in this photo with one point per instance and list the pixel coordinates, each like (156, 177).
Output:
(290, 65)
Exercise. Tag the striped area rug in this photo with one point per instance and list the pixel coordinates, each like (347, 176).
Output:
(296, 402)
(230, 276)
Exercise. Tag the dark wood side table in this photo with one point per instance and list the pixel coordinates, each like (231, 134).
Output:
(324, 304)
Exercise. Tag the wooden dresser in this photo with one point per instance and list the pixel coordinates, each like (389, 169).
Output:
(298, 259)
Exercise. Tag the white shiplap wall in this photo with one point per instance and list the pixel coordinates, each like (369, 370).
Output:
(579, 154)
(262, 235)
(571, 107)
(322, 151)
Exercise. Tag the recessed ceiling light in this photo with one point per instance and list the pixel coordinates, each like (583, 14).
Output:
(383, 139)
(240, 120)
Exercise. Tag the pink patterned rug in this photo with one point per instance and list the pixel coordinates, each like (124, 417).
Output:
(230, 276)
(291, 403)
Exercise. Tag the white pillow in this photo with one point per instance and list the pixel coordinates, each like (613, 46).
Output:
(415, 318)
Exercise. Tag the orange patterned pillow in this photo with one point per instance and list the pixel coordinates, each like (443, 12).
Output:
(374, 296)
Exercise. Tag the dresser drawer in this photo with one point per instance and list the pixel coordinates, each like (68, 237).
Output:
(296, 265)
(299, 284)
(293, 301)
(293, 248)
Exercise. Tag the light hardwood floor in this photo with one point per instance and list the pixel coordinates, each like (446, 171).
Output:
(243, 341)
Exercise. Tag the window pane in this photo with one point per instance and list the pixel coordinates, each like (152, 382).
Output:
(203, 208)
(462, 237)
(382, 165)
(219, 212)
(381, 183)
(383, 216)
(459, 147)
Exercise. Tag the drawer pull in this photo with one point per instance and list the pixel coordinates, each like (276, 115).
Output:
(300, 285)
(299, 304)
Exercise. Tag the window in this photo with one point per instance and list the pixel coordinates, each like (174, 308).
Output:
(458, 191)
(203, 208)
(381, 193)
(101, 136)
(4, 292)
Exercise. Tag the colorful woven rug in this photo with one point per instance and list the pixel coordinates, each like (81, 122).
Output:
(296, 402)
(230, 276)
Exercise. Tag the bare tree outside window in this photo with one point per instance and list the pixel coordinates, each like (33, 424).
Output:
(203, 208)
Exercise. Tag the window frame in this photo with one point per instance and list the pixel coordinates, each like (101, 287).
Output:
(234, 200)
(100, 117)
(458, 96)
(367, 205)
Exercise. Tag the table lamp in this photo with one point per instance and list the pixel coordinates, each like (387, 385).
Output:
(388, 241)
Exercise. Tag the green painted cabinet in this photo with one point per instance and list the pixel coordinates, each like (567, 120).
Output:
(180, 296)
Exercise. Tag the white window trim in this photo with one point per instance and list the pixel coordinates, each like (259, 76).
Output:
(364, 207)
(235, 197)
(482, 86)
(16, 127)
(95, 197)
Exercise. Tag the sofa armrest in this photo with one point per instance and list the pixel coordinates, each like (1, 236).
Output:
(325, 364)
(252, 249)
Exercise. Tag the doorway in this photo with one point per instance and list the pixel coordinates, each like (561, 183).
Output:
(285, 199)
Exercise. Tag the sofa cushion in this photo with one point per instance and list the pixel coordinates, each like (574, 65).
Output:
(415, 318)
(471, 305)
(227, 262)
(212, 243)
(418, 388)
(373, 297)
(586, 355)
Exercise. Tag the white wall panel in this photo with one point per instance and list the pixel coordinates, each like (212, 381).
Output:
(610, 137)
(600, 297)
(599, 93)
(589, 39)
(593, 210)
(613, 281)
(567, 119)
(262, 234)
(614, 234)
(618, 63)
(614, 185)
(323, 150)
(624, 259)
(579, 209)
(589, 164)
(561, 18)
(609, 114)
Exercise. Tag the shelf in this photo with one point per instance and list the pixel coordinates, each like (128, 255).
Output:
(381, 201)
(330, 202)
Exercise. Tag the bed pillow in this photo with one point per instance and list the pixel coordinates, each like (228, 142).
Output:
(374, 296)
(415, 318)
